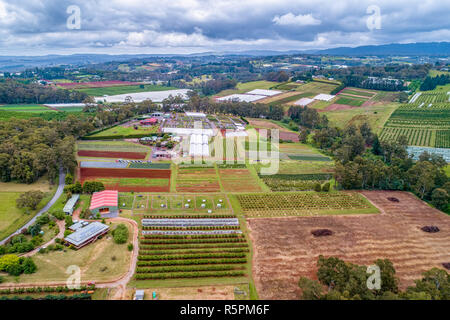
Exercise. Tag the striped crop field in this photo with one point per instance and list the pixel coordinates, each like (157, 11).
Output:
(423, 123)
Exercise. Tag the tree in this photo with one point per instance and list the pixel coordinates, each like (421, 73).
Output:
(311, 290)
(29, 199)
(120, 234)
(69, 221)
(29, 266)
(439, 198)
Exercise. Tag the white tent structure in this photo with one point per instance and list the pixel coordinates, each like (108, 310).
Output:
(199, 146)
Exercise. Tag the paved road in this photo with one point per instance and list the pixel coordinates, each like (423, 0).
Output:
(59, 191)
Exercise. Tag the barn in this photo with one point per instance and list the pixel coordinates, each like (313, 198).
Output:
(104, 202)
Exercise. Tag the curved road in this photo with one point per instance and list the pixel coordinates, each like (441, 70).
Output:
(58, 193)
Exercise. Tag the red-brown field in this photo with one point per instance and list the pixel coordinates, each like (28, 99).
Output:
(285, 249)
(112, 154)
(98, 173)
(198, 186)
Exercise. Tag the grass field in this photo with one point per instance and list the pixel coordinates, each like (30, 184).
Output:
(101, 260)
(120, 146)
(317, 87)
(134, 182)
(25, 108)
(121, 131)
(376, 116)
(350, 101)
(97, 92)
(243, 87)
(12, 218)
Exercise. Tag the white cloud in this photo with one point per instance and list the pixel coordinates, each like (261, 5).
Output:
(301, 20)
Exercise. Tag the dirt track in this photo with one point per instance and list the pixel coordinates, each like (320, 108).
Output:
(285, 249)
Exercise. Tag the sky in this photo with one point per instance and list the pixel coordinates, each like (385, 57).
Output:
(39, 27)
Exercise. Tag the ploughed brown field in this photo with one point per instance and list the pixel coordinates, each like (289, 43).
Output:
(285, 249)
(112, 154)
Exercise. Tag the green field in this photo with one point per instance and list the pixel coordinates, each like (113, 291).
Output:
(25, 108)
(121, 131)
(12, 218)
(134, 182)
(120, 146)
(424, 123)
(346, 100)
(243, 87)
(375, 115)
(97, 92)
(356, 92)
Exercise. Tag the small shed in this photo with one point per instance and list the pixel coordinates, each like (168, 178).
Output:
(139, 295)
(70, 204)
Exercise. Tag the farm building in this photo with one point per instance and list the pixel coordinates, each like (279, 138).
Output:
(104, 202)
(195, 114)
(149, 122)
(86, 234)
(324, 97)
(70, 204)
(303, 102)
(263, 92)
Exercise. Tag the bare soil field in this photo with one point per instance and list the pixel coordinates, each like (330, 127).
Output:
(285, 249)
(188, 293)
(112, 154)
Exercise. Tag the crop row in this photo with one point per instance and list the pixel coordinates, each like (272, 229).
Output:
(304, 176)
(203, 216)
(194, 246)
(188, 268)
(191, 228)
(191, 250)
(290, 185)
(191, 241)
(199, 236)
(144, 257)
(187, 262)
(190, 275)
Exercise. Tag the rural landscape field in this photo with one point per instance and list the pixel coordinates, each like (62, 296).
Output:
(197, 151)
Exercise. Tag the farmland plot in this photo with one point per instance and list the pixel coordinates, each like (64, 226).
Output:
(238, 180)
(304, 204)
(197, 180)
(281, 243)
(192, 248)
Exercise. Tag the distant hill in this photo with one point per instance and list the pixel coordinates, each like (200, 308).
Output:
(410, 49)
(19, 63)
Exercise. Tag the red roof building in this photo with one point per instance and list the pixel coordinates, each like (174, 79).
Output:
(104, 201)
(150, 121)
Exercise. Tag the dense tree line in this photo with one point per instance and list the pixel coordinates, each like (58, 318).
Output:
(397, 71)
(340, 280)
(430, 83)
(365, 162)
(215, 86)
(307, 117)
(12, 91)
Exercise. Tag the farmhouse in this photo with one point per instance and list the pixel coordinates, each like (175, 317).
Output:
(70, 204)
(87, 234)
(104, 202)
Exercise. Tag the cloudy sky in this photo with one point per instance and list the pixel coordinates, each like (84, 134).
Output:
(37, 27)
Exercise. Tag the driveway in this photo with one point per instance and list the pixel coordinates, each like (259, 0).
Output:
(59, 192)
